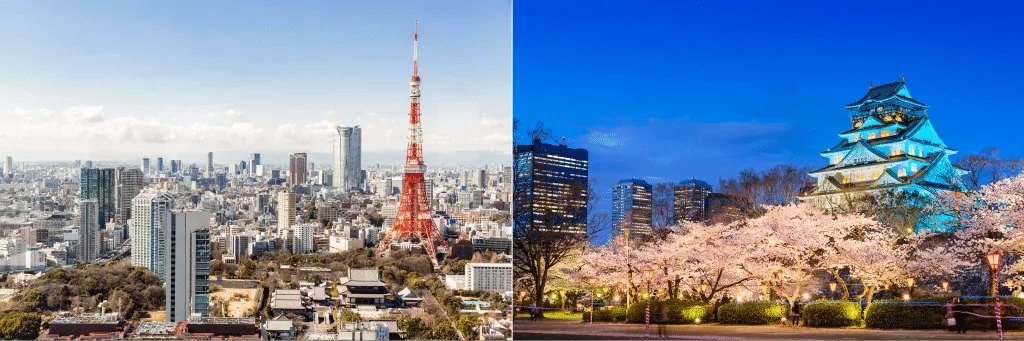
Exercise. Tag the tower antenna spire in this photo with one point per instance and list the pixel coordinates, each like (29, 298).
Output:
(416, 50)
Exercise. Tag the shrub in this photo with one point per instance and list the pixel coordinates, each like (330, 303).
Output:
(896, 314)
(832, 314)
(615, 313)
(752, 313)
(677, 311)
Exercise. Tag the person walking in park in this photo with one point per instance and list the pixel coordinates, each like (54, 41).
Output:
(794, 314)
(960, 316)
(533, 312)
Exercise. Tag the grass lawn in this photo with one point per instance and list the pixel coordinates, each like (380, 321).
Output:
(556, 315)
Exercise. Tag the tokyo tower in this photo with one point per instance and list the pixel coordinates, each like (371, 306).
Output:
(413, 220)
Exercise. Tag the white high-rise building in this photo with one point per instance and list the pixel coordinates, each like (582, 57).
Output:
(145, 165)
(149, 210)
(492, 277)
(89, 230)
(348, 158)
(8, 165)
(187, 265)
(303, 238)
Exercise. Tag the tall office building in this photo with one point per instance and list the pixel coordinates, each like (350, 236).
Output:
(348, 158)
(690, 201)
(553, 182)
(149, 211)
(297, 169)
(8, 165)
(145, 165)
(128, 182)
(187, 265)
(254, 162)
(209, 164)
(285, 210)
(490, 277)
(89, 230)
(631, 206)
(159, 164)
(99, 184)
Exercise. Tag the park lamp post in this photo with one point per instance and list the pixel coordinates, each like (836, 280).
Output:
(910, 285)
(994, 259)
(648, 275)
(832, 287)
(945, 286)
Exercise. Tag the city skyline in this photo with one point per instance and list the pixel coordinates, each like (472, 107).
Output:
(220, 86)
(769, 87)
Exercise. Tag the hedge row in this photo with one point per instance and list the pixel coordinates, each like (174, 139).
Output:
(669, 312)
(752, 313)
(831, 314)
(929, 313)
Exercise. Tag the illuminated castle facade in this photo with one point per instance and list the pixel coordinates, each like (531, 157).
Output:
(892, 145)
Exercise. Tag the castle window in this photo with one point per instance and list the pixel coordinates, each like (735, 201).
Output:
(911, 149)
(860, 177)
(846, 179)
(903, 172)
(913, 168)
(885, 133)
(871, 136)
(896, 150)
(875, 175)
(856, 138)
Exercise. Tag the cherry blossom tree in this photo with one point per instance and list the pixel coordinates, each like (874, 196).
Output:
(988, 220)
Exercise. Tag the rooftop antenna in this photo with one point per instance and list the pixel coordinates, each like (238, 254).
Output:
(901, 79)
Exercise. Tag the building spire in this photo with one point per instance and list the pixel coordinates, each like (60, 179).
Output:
(901, 79)
(871, 85)
(416, 50)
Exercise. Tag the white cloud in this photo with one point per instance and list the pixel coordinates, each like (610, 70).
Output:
(94, 130)
(486, 123)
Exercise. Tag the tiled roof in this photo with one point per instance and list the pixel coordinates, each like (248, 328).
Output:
(883, 92)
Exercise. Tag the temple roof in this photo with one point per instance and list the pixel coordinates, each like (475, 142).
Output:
(901, 134)
(889, 159)
(886, 91)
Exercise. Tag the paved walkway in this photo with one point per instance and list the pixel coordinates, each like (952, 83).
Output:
(574, 330)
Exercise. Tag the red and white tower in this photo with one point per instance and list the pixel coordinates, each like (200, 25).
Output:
(413, 220)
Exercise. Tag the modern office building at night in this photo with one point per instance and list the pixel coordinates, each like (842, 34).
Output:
(631, 206)
(690, 201)
(551, 184)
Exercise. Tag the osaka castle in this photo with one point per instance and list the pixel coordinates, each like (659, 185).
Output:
(890, 146)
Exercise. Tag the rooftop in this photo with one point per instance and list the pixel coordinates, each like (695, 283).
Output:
(152, 329)
(87, 319)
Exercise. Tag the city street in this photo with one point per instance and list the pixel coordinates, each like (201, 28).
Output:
(573, 330)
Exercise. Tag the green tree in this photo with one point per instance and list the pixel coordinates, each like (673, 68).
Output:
(414, 327)
(33, 301)
(443, 331)
(19, 326)
(468, 324)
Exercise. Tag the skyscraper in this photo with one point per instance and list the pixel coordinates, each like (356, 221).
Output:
(149, 211)
(159, 164)
(552, 184)
(187, 265)
(8, 165)
(89, 230)
(690, 201)
(209, 163)
(285, 210)
(631, 206)
(145, 165)
(348, 158)
(128, 182)
(297, 169)
(99, 184)
(254, 161)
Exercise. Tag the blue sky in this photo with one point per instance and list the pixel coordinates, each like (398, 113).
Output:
(169, 77)
(674, 89)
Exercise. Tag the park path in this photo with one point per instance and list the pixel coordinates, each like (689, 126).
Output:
(574, 330)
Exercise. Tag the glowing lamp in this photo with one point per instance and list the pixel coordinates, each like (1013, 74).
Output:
(807, 296)
(906, 297)
(910, 282)
(554, 296)
(649, 274)
(616, 298)
(832, 286)
(703, 287)
(993, 259)
(945, 285)
(697, 321)
(598, 296)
